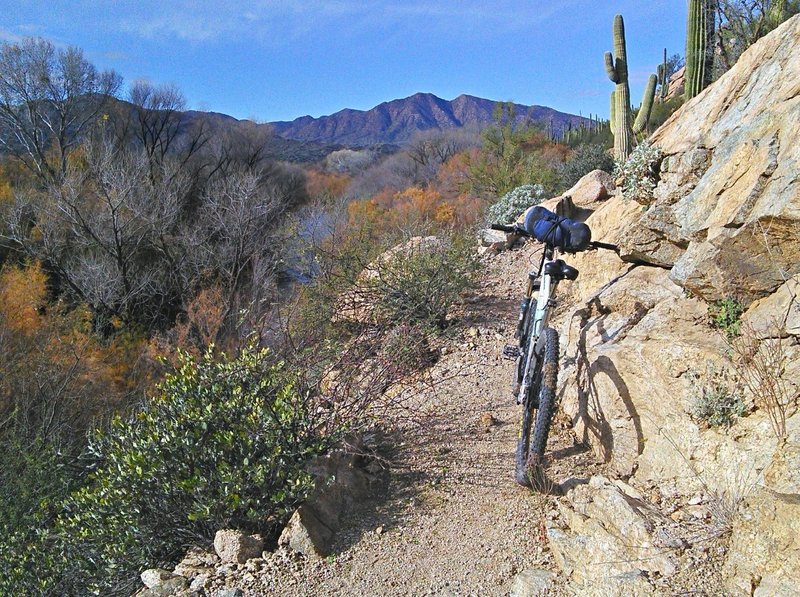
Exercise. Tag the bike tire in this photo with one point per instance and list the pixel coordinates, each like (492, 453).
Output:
(547, 397)
(537, 409)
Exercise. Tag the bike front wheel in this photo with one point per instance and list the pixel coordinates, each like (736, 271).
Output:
(538, 407)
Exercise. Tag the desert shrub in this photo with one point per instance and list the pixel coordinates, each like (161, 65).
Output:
(224, 444)
(515, 202)
(717, 399)
(726, 316)
(34, 480)
(760, 367)
(639, 173)
(422, 280)
(585, 159)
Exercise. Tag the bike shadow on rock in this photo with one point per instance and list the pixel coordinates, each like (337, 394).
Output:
(591, 416)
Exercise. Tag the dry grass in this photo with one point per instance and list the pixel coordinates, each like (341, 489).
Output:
(761, 368)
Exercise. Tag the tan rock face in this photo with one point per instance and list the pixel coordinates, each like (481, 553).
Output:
(727, 210)
(608, 543)
(637, 348)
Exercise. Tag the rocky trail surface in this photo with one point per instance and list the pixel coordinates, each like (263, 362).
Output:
(443, 516)
(446, 517)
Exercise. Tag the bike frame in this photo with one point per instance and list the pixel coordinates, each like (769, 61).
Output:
(541, 314)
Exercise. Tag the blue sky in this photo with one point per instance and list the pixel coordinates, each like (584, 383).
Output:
(281, 59)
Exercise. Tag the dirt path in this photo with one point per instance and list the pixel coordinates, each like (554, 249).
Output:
(449, 520)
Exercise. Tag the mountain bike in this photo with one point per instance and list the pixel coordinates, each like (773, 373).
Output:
(536, 352)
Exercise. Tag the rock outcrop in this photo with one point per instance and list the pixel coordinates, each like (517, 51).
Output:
(639, 353)
(726, 218)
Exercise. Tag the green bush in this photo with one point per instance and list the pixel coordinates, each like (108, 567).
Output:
(422, 280)
(639, 173)
(512, 204)
(225, 444)
(585, 159)
(34, 480)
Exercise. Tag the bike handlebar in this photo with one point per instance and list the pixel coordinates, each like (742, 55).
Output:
(519, 229)
(515, 228)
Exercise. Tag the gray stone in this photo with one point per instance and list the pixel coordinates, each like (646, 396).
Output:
(534, 582)
(493, 240)
(306, 534)
(236, 547)
(166, 588)
(198, 583)
(155, 576)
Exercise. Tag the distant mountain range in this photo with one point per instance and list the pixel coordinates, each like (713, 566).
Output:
(395, 122)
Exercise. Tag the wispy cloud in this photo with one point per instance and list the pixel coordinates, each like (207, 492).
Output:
(204, 21)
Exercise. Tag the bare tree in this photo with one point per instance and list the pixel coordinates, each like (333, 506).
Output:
(743, 22)
(240, 214)
(48, 101)
(430, 149)
(113, 235)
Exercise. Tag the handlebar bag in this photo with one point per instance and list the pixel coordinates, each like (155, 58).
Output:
(545, 226)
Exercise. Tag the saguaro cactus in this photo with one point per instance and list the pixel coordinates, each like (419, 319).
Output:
(663, 79)
(699, 44)
(647, 105)
(617, 69)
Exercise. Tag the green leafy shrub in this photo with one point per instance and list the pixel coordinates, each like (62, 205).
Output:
(515, 202)
(225, 444)
(726, 316)
(585, 159)
(34, 479)
(717, 401)
(639, 173)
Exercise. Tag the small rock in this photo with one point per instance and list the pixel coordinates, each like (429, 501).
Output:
(487, 420)
(198, 584)
(166, 588)
(229, 592)
(379, 530)
(155, 576)
(306, 534)
(236, 547)
(532, 583)
(493, 240)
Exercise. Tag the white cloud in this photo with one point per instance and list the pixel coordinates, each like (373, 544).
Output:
(205, 20)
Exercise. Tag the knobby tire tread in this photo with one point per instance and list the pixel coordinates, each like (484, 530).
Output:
(531, 446)
(547, 396)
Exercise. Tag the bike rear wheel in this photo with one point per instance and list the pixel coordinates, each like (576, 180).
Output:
(538, 407)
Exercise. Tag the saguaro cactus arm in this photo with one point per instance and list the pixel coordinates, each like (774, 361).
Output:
(611, 68)
(647, 105)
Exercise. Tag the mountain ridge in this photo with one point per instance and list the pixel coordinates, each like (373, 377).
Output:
(396, 121)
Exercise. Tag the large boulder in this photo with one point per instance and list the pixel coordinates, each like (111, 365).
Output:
(726, 215)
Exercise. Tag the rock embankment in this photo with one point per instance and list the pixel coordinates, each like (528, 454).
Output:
(640, 353)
